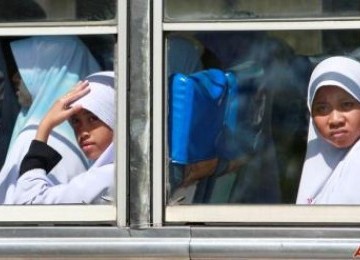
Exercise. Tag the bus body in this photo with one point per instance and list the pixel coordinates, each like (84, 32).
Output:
(166, 208)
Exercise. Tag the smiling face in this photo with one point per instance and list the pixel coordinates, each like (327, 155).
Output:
(336, 115)
(93, 135)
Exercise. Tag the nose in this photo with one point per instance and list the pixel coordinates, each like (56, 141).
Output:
(336, 118)
(81, 132)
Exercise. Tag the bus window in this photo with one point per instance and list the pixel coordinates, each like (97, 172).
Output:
(61, 43)
(45, 10)
(260, 9)
(40, 70)
(236, 118)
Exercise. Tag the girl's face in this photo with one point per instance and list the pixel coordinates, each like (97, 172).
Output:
(92, 134)
(336, 115)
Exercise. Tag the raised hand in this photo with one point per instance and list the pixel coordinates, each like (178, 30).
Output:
(61, 110)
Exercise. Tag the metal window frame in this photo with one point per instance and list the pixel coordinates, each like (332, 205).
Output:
(184, 241)
(180, 243)
(158, 122)
(234, 214)
(83, 214)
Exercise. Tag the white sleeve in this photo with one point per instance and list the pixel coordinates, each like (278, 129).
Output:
(34, 187)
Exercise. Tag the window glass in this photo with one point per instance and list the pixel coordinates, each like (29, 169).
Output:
(56, 10)
(238, 118)
(258, 9)
(35, 72)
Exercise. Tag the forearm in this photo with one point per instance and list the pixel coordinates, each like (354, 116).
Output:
(61, 111)
(41, 156)
(43, 131)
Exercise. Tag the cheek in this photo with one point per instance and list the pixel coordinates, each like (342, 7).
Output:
(320, 123)
(106, 137)
(357, 127)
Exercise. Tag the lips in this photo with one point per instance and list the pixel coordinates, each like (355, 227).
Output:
(338, 134)
(85, 146)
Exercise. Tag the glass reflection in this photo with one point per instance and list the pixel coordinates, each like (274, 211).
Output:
(258, 9)
(56, 10)
(238, 119)
(27, 78)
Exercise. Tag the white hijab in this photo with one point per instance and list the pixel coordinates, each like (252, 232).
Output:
(101, 102)
(101, 99)
(331, 175)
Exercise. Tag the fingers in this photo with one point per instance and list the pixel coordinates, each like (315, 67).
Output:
(61, 110)
(80, 90)
(69, 111)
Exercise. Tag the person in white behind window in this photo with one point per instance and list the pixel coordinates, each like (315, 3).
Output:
(89, 108)
(47, 68)
(331, 172)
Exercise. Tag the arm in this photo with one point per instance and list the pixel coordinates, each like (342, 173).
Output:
(36, 188)
(40, 156)
(61, 111)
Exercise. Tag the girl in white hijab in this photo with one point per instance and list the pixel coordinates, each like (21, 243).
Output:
(48, 66)
(89, 107)
(331, 172)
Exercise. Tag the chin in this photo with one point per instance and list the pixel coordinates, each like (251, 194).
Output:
(342, 145)
(92, 157)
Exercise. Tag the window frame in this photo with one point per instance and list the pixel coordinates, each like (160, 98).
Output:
(84, 214)
(282, 214)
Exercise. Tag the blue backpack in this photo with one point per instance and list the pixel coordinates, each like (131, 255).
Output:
(210, 115)
(196, 114)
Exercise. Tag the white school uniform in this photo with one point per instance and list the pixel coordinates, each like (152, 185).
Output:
(95, 185)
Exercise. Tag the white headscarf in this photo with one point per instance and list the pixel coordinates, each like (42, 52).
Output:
(101, 102)
(101, 99)
(331, 175)
(49, 66)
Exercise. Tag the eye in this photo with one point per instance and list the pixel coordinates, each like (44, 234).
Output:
(348, 105)
(320, 109)
(93, 118)
(74, 121)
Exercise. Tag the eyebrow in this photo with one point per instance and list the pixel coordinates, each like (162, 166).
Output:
(84, 111)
